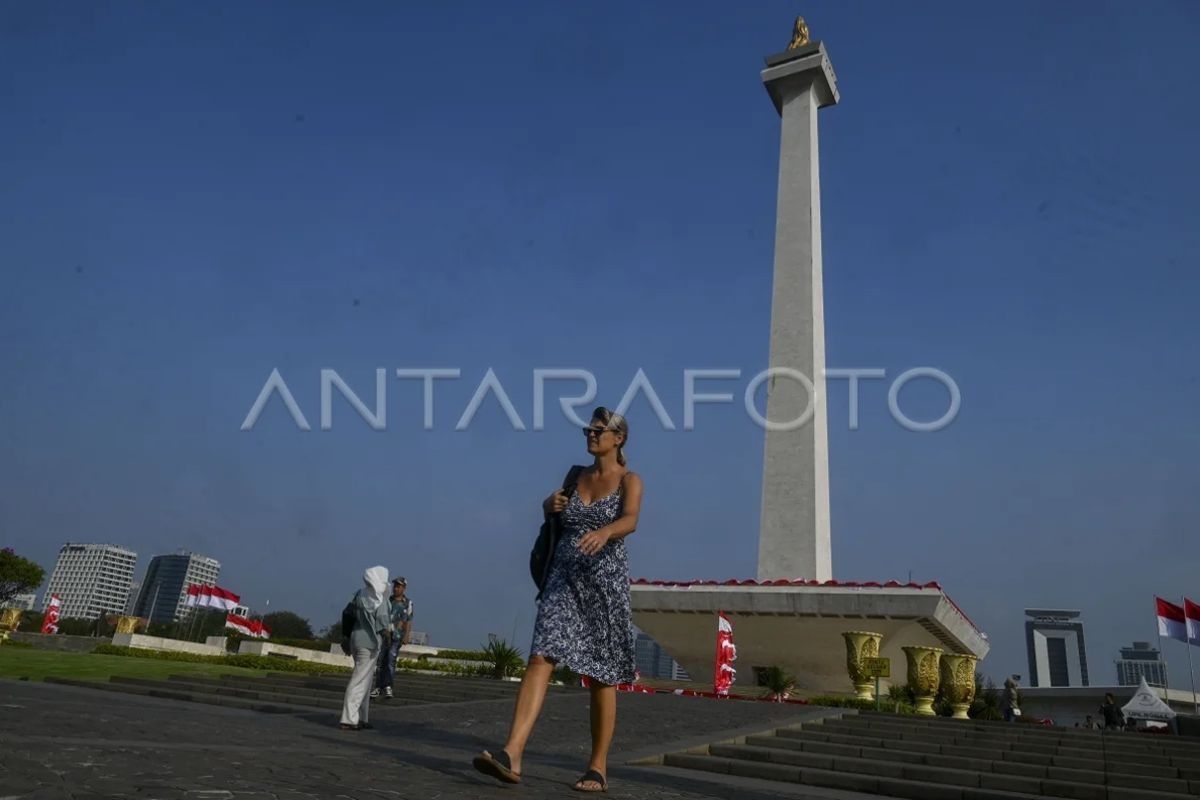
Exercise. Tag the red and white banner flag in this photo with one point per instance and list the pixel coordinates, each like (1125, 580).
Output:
(1192, 612)
(259, 630)
(211, 597)
(1171, 620)
(723, 672)
(248, 627)
(50, 620)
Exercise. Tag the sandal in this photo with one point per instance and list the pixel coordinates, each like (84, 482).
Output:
(591, 776)
(498, 766)
(345, 726)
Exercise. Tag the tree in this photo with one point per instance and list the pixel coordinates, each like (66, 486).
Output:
(287, 625)
(17, 575)
(332, 634)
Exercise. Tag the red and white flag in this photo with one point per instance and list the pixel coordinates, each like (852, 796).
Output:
(211, 597)
(50, 620)
(258, 630)
(1171, 620)
(723, 672)
(253, 628)
(1192, 612)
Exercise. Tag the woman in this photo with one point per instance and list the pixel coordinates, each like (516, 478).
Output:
(371, 624)
(584, 620)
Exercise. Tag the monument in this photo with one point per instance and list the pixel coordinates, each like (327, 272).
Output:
(794, 614)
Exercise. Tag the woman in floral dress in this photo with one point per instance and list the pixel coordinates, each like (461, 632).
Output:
(584, 620)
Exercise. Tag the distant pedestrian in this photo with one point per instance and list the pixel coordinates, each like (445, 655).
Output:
(583, 619)
(400, 611)
(1010, 700)
(1110, 712)
(371, 624)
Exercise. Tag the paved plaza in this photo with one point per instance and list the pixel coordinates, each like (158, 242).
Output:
(68, 742)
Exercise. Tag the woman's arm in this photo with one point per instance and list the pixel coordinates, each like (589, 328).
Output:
(631, 505)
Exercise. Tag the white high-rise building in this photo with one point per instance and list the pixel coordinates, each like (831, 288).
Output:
(91, 580)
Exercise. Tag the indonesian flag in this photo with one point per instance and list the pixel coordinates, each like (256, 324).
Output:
(1192, 611)
(1171, 620)
(239, 624)
(50, 620)
(258, 630)
(723, 672)
(211, 597)
(247, 627)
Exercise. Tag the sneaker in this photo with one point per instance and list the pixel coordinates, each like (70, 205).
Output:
(389, 695)
(374, 693)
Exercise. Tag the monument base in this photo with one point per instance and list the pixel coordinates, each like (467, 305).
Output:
(798, 625)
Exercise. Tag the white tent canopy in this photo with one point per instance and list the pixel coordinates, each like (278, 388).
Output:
(1145, 704)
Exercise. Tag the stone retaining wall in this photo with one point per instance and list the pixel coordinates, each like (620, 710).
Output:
(259, 647)
(64, 644)
(144, 642)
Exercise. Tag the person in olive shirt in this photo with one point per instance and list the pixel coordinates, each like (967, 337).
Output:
(400, 610)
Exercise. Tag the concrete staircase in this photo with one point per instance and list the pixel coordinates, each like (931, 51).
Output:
(942, 759)
(292, 693)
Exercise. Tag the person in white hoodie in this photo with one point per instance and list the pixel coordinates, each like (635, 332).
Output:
(368, 638)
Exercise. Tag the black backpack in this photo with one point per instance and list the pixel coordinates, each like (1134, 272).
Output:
(349, 620)
(542, 554)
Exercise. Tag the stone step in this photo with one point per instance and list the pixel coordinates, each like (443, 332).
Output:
(189, 697)
(816, 734)
(1085, 738)
(261, 685)
(832, 779)
(938, 776)
(264, 695)
(1109, 744)
(449, 688)
(995, 773)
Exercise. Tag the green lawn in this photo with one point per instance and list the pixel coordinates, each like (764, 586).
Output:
(23, 662)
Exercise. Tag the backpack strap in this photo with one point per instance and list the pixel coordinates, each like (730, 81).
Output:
(572, 478)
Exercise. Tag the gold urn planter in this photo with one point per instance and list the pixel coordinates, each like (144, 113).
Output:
(861, 645)
(10, 619)
(923, 676)
(958, 682)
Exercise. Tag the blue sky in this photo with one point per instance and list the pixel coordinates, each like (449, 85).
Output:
(194, 196)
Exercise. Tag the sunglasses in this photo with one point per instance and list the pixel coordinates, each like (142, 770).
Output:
(598, 431)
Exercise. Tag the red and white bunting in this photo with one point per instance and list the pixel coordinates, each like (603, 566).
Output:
(1171, 620)
(50, 620)
(1192, 612)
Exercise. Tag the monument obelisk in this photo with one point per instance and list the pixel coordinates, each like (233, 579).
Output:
(783, 618)
(793, 539)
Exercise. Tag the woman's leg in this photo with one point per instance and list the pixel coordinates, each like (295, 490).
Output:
(372, 657)
(358, 686)
(529, 705)
(604, 720)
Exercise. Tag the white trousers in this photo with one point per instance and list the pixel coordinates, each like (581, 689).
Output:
(358, 691)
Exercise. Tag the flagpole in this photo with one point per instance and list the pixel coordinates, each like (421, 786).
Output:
(1163, 653)
(1188, 643)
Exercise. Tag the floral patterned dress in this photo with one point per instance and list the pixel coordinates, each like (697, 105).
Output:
(584, 619)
